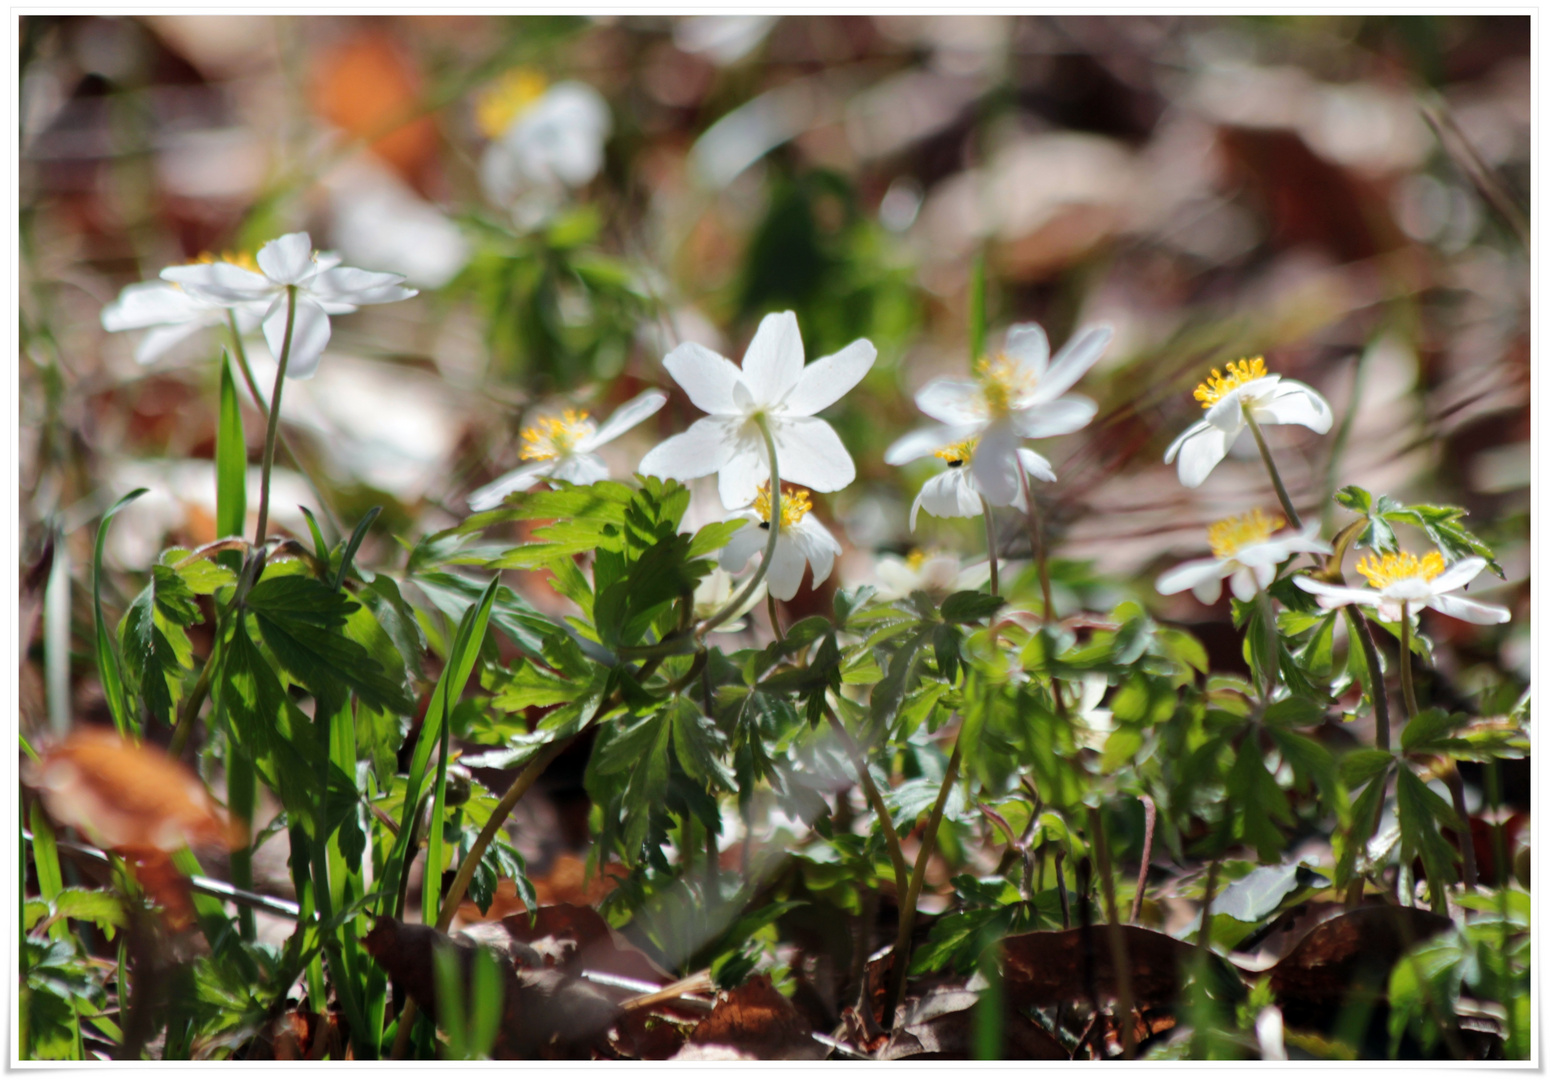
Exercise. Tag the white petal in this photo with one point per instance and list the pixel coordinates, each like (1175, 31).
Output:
(1208, 591)
(745, 471)
(811, 454)
(1190, 575)
(581, 468)
(1471, 610)
(1227, 414)
(708, 378)
(156, 343)
(1029, 346)
(947, 494)
(1458, 575)
(786, 569)
(154, 303)
(825, 381)
(1036, 465)
(923, 441)
(697, 452)
(288, 259)
(349, 285)
(817, 545)
(1073, 361)
(519, 479)
(1332, 596)
(952, 401)
(1189, 433)
(625, 417)
(774, 359)
(1059, 417)
(995, 464)
(1390, 610)
(1201, 453)
(1244, 587)
(744, 543)
(1295, 403)
(309, 335)
(221, 283)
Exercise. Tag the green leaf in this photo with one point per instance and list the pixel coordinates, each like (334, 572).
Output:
(699, 744)
(714, 537)
(1265, 890)
(155, 648)
(361, 528)
(971, 606)
(108, 672)
(1360, 766)
(1294, 712)
(528, 685)
(888, 693)
(1312, 761)
(231, 460)
(319, 545)
(1421, 810)
(1258, 804)
(1429, 729)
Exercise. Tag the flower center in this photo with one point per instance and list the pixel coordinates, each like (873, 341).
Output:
(1003, 381)
(508, 98)
(794, 505)
(915, 559)
(959, 453)
(243, 259)
(555, 436)
(1219, 386)
(1231, 535)
(1383, 571)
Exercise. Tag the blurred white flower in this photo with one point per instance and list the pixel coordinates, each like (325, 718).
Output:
(801, 540)
(377, 219)
(1401, 578)
(1244, 551)
(322, 287)
(1246, 389)
(1093, 724)
(954, 493)
(170, 314)
(714, 592)
(564, 447)
(772, 385)
(937, 573)
(544, 141)
(1017, 395)
(725, 39)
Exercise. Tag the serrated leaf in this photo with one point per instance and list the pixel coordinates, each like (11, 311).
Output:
(1421, 810)
(1294, 712)
(1265, 890)
(699, 745)
(888, 693)
(970, 606)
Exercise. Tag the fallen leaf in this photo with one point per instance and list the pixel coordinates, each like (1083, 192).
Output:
(1048, 968)
(756, 1019)
(577, 939)
(941, 1025)
(368, 82)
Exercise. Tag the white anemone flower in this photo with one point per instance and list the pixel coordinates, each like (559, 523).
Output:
(715, 591)
(774, 387)
(1400, 578)
(955, 493)
(171, 314)
(544, 140)
(1247, 390)
(938, 574)
(1019, 394)
(564, 447)
(322, 288)
(801, 540)
(1246, 552)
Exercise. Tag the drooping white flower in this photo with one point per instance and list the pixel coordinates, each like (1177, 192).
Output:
(323, 288)
(715, 591)
(1400, 578)
(1245, 552)
(955, 493)
(938, 574)
(1093, 724)
(1247, 388)
(1019, 394)
(171, 314)
(801, 541)
(773, 385)
(564, 447)
(544, 140)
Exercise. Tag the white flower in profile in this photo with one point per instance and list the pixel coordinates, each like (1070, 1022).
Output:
(1400, 578)
(564, 447)
(801, 540)
(1247, 390)
(772, 386)
(1018, 394)
(322, 288)
(1246, 552)
(938, 574)
(172, 314)
(1093, 724)
(954, 493)
(715, 592)
(544, 139)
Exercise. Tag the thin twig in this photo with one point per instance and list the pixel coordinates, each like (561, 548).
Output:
(1146, 856)
(901, 868)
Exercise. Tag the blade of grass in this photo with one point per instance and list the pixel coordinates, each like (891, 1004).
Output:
(452, 1016)
(328, 876)
(56, 636)
(435, 836)
(231, 465)
(355, 541)
(51, 882)
(108, 670)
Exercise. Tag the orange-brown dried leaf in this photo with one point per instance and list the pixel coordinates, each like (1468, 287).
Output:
(165, 884)
(367, 83)
(756, 1019)
(1047, 968)
(577, 938)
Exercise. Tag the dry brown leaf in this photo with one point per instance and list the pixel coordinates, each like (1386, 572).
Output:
(366, 83)
(756, 1019)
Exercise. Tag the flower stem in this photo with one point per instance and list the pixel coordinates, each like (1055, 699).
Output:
(769, 603)
(1375, 688)
(874, 798)
(1275, 475)
(1406, 680)
(990, 548)
(736, 603)
(1036, 543)
(274, 414)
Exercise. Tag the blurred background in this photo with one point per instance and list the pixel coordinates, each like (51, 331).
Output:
(573, 196)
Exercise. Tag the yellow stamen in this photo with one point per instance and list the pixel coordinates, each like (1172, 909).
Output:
(794, 505)
(959, 453)
(915, 559)
(1385, 570)
(1231, 535)
(1219, 386)
(1002, 382)
(508, 98)
(555, 436)
(243, 259)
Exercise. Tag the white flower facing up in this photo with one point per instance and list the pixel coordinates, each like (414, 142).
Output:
(937, 573)
(564, 447)
(801, 540)
(1247, 390)
(1019, 394)
(1401, 578)
(1246, 552)
(772, 387)
(322, 287)
(172, 314)
(954, 493)
(544, 140)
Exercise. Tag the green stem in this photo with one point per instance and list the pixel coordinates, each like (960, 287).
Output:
(1275, 475)
(901, 867)
(901, 944)
(1406, 679)
(1380, 696)
(274, 414)
(736, 603)
(1036, 544)
(769, 603)
(990, 548)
